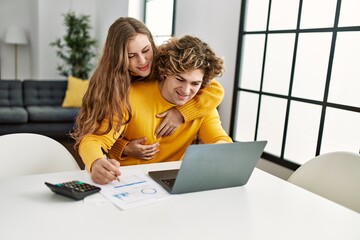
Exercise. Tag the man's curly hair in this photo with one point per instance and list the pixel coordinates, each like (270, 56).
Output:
(179, 55)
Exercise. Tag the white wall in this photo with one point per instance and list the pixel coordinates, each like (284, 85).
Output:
(49, 30)
(42, 20)
(137, 9)
(107, 11)
(217, 23)
(20, 13)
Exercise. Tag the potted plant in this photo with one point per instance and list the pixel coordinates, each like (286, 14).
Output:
(77, 48)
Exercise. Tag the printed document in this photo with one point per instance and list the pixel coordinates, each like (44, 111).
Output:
(135, 189)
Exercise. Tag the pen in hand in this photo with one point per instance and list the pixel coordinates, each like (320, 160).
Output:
(117, 178)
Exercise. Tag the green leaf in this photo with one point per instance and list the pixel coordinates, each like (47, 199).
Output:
(76, 49)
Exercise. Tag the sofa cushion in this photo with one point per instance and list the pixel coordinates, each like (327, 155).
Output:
(13, 115)
(51, 114)
(75, 91)
(44, 92)
(11, 93)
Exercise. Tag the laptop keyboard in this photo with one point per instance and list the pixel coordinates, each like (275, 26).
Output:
(169, 182)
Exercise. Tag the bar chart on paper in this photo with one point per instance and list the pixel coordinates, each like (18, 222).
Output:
(135, 189)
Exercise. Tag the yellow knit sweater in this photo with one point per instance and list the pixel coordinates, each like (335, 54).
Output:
(146, 101)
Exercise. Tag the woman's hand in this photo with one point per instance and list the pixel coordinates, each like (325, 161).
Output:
(105, 170)
(138, 149)
(172, 119)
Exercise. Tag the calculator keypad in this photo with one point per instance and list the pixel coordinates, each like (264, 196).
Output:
(78, 186)
(74, 189)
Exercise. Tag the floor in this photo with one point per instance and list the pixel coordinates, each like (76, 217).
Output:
(265, 165)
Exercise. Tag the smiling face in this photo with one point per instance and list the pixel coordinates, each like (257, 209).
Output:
(140, 55)
(180, 88)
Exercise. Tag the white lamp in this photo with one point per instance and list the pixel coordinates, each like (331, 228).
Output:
(16, 36)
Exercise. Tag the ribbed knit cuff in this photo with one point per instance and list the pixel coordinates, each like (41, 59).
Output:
(117, 150)
(190, 112)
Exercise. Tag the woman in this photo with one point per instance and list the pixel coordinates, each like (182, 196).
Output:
(127, 57)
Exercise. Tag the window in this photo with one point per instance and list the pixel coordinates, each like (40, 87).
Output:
(159, 16)
(298, 78)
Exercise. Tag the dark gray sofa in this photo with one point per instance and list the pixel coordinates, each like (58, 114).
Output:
(34, 106)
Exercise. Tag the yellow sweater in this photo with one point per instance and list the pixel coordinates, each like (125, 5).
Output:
(146, 101)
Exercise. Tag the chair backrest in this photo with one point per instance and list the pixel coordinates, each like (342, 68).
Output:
(335, 176)
(28, 153)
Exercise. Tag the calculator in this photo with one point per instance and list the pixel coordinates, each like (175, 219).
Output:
(74, 189)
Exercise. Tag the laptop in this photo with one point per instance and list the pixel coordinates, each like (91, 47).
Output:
(211, 166)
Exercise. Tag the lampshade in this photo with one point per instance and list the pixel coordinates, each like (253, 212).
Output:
(15, 35)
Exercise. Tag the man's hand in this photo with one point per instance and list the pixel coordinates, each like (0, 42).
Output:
(172, 119)
(138, 149)
(103, 170)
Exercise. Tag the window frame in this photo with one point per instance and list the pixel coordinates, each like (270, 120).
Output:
(155, 36)
(324, 103)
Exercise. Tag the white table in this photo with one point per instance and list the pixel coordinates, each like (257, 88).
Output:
(266, 208)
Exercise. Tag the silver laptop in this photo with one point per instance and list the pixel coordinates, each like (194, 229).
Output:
(212, 166)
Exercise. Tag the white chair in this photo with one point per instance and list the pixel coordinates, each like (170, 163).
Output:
(28, 153)
(335, 176)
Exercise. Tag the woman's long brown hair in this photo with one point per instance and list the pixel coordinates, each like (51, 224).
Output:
(107, 93)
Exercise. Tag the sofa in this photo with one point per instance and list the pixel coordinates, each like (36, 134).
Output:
(35, 106)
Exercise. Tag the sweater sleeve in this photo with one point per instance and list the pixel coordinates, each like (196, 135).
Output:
(90, 148)
(206, 100)
(211, 130)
